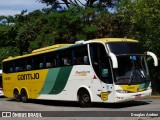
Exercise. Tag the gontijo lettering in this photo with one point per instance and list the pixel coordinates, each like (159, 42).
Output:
(28, 76)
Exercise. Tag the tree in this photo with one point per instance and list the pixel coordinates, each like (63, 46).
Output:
(86, 3)
(142, 20)
(7, 38)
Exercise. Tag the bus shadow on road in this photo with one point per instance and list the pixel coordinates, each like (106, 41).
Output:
(2, 97)
(55, 103)
(121, 105)
(50, 103)
(94, 105)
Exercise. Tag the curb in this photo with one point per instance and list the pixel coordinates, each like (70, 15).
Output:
(155, 97)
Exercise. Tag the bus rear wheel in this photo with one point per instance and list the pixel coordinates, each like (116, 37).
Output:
(16, 96)
(84, 99)
(24, 96)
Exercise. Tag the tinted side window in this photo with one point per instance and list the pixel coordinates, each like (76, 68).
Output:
(65, 57)
(38, 62)
(6, 67)
(71, 56)
(80, 55)
(50, 60)
(29, 63)
(100, 62)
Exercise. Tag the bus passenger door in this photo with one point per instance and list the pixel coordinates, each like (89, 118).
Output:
(102, 67)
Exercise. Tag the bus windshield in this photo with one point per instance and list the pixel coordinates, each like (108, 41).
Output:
(132, 65)
(131, 70)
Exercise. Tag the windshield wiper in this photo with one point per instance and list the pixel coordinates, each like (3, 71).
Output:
(136, 72)
(131, 76)
(142, 75)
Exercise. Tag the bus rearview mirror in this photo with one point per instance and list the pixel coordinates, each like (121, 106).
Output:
(114, 60)
(154, 58)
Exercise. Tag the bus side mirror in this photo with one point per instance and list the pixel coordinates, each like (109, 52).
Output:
(114, 60)
(154, 58)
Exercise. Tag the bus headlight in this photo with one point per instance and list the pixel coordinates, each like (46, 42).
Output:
(121, 91)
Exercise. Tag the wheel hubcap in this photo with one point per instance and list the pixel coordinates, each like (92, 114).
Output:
(85, 98)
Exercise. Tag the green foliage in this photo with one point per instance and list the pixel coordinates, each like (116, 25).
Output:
(57, 4)
(9, 51)
(142, 19)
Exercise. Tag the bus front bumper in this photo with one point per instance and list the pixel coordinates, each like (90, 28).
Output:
(1, 93)
(122, 97)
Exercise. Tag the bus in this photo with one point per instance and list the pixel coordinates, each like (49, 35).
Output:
(1, 87)
(106, 70)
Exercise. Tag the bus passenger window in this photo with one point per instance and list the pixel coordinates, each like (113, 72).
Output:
(28, 67)
(17, 69)
(54, 63)
(77, 61)
(80, 55)
(50, 60)
(67, 61)
(41, 65)
(11, 69)
(64, 58)
(85, 60)
(48, 65)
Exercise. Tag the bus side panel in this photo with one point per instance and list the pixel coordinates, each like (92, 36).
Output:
(7, 88)
(83, 76)
(77, 77)
(31, 81)
(54, 86)
(8, 85)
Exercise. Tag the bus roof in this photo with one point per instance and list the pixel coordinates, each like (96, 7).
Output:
(106, 40)
(63, 46)
(53, 47)
(39, 51)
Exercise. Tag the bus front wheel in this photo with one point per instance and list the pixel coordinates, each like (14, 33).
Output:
(24, 96)
(84, 99)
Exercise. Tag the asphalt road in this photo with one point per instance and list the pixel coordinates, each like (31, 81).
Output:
(135, 110)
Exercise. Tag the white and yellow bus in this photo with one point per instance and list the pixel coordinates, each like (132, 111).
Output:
(107, 70)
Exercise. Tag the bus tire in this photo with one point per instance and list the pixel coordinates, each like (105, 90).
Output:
(24, 96)
(84, 98)
(16, 95)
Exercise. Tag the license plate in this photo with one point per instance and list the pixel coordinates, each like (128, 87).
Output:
(138, 96)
